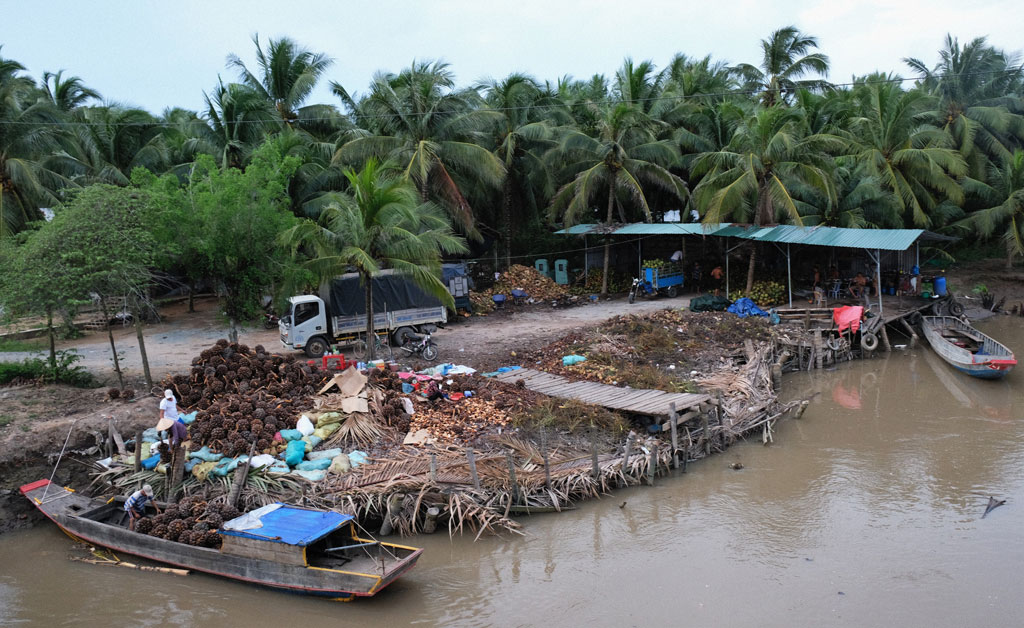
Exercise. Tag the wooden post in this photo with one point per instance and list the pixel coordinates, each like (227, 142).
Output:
(472, 467)
(652, 468)
(675, 434)
(241, 475)
(433, 468)
(910, 331)
(512, 477)
(595, 469)
(138, 450)
(885, 339)
(807, 318)
(707, 432)
(686, 451)
(544, 453)
(430, 525)
(629, 452)
(177, 468)
(819, 356)
(387, 527)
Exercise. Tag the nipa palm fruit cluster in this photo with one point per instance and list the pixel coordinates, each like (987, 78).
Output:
(191, 521)
(244, 396)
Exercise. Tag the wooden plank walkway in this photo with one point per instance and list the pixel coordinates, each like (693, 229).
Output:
(636, 400)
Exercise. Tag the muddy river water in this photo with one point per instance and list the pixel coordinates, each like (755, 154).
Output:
(866, 512)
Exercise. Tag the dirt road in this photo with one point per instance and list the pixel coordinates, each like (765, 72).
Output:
(482, 342)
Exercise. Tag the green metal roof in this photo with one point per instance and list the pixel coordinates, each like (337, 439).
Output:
(645, 228)
(882, 239)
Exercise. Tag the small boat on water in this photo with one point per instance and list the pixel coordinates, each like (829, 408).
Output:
(967, 349)
(301, 550)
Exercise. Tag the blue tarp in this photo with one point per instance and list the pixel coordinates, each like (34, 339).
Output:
(293, 526)
(746, 307)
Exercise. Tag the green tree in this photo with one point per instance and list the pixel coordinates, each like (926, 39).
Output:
(379, 224)
(108, 142)
(785, 58)
(240, 119)
(286, 77)
(416, 120)
(67, 94)
(521, 135)
(29, 174)
(978, 100)
(240, 216)
(750, 180)
(914, 161)
(621, 162)
(1004, 195)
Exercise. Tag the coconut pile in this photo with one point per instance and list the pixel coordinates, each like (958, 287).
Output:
(518, 277)
(244, 396)
(191, 521)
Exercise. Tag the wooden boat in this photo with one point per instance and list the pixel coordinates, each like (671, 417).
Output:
(296, 549)
(967, 349)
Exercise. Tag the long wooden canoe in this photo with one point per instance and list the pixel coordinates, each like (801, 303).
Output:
(301, 550)
(967, 349)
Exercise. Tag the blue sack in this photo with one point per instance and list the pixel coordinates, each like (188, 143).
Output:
(569, 360)
(150, 463)
(314, 465)
(295, 453)
(290, 435)
(188, 418)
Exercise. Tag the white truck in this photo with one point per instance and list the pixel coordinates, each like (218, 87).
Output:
(338, 315)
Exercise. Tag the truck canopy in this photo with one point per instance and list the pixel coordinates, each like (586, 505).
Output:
(347, 296)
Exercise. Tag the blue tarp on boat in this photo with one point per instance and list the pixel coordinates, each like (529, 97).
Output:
(293, 526)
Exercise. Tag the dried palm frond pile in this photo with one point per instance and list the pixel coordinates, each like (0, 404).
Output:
(244, 396)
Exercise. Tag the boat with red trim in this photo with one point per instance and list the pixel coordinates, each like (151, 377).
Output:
(301, 550)
(966, 349)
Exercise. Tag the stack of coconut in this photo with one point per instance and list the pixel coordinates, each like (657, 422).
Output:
(191, 521)
(244, 396)
(523, 278)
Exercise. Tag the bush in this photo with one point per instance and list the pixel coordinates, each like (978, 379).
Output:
(38, 368)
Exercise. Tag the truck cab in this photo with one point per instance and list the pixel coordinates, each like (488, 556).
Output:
(305, 325)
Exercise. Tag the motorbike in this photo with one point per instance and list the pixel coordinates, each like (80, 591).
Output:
(270, 320)
(422, 346)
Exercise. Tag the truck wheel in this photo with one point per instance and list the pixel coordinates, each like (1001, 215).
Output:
(316, 347)
(672, 292)
(869, 341)
(401, 334)
(430, 353)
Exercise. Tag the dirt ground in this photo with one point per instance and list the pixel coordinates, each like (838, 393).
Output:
(35, 422)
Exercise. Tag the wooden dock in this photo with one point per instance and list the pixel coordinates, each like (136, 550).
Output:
(635, 400)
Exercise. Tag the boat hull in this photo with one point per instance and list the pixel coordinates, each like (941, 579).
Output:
(64, 507)
(949, 337)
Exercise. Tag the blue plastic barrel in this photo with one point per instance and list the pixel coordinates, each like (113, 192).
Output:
(940, 286)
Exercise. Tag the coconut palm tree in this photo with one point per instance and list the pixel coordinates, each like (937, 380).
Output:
(67, 94)
(978, 101)
(240, 119)
(752, 178)
(1005, 214)
(418, 121)
(380, 223)
(914, 161)
(785, 57)
(623, 160)
(109, 141)
(521, 135)
(287, 75)
(29, 174)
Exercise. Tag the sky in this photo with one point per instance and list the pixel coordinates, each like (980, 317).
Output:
(157, 55)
